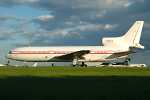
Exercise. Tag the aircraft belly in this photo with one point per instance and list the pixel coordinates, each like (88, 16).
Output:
(22, 57)
(33, 57)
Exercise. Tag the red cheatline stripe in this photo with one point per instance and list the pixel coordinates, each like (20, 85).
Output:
(58, 53)
(54, 52)
(101, 53)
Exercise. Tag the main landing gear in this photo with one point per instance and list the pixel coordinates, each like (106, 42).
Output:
(26, 64)
(83, 65)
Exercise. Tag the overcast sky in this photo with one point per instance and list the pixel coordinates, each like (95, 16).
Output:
(71, 23)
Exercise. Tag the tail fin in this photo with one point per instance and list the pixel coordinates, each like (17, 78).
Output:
(7, 63)
(134, 34)
(130, 39)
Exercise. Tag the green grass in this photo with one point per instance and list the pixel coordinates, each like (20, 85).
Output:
(74, 83)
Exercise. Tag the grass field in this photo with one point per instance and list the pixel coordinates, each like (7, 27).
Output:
(74, 83)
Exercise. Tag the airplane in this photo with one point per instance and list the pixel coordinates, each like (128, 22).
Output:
(35, 65)
(113, 48)
(125, 63)
(1, 65)
(7, 64)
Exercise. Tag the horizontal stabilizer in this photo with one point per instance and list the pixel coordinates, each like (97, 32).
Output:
(137, 45)
(74, 55)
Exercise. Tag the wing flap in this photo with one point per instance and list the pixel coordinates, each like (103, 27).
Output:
(74, 55)
(119, 54)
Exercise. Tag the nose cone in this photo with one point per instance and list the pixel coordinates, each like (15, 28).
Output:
(9, 56)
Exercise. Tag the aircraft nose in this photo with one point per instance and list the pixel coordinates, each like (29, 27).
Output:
(9, 56)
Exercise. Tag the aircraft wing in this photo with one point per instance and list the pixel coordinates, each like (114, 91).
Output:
(74, 55)
(119, 54)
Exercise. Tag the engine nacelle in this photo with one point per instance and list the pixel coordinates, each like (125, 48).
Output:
(107, 40)
(115, 40)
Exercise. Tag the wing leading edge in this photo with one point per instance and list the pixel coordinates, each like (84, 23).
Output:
(74, 55)
(119, 54)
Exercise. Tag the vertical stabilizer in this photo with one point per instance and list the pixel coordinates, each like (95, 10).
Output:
(7, 64)
(134, 34)
(130, 39)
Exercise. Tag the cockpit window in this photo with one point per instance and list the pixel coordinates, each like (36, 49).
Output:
(10, 52)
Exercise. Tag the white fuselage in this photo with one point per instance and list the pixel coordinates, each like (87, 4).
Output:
(42, 54)
(114, 48)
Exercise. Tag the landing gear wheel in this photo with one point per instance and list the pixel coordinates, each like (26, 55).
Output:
(83, 65)
(71, 65)
(74, 65)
